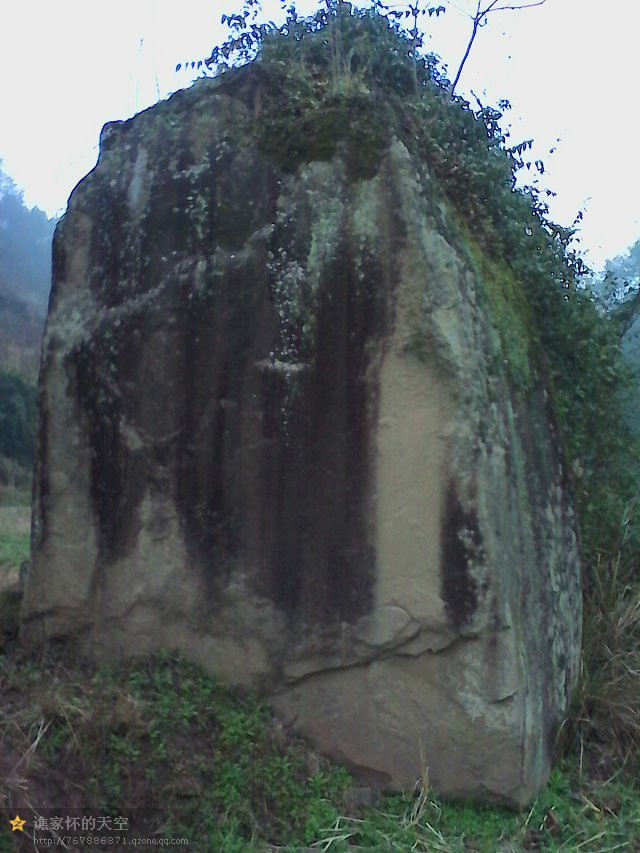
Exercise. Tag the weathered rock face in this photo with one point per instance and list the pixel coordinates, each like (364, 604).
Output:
(285, 430)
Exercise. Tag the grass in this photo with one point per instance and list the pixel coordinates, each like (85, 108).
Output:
(13, 497)
(186, 758)
(14, 533)
(16, 496)
(14, 548)
(607, 716)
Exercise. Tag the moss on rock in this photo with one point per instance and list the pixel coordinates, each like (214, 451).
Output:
(503, 296)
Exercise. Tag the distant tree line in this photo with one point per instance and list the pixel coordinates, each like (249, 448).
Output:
(25, 279)
(18, 417)
(25, 247)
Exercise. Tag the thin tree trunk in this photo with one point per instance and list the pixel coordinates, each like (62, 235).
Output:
(480, 15)
(414, 35)
(464, 58)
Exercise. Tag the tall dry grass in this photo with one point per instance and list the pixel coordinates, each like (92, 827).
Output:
(606, 716)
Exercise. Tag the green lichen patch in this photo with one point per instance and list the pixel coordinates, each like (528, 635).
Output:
(507, 306)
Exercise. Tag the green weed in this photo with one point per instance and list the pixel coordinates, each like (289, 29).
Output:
(214, 766)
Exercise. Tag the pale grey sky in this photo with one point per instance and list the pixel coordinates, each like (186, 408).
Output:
(568, 67)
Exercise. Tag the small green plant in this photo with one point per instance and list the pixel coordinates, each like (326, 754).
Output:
(260, 786)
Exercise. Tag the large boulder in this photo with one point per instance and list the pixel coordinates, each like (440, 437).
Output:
(293, 425)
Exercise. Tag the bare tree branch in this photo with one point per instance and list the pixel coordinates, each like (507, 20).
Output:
(524, 6)
(487, 10)
(466, 54)
(477, 23)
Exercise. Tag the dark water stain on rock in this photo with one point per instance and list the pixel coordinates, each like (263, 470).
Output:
(461, 543)
(117, 475)
(274, 459)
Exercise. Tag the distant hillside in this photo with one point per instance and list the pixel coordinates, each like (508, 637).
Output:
(25, 279)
